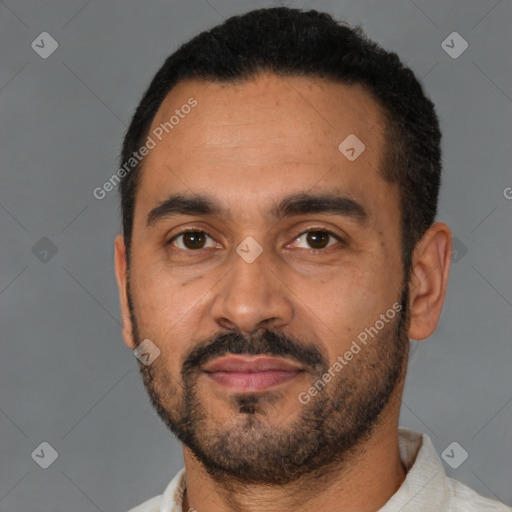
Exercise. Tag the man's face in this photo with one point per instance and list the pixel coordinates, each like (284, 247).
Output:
(324, 275)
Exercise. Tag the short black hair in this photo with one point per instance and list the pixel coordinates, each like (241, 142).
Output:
(293, 42)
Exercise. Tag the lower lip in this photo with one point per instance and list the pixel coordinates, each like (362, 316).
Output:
(256, 381)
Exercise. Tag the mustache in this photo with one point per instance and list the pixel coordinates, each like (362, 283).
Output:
(269, 343)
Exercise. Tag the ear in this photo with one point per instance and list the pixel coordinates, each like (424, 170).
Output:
(122, 278)
(429, 279)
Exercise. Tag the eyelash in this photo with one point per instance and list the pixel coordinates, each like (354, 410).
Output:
(309, 230)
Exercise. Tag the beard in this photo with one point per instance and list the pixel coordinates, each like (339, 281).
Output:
(321, 434)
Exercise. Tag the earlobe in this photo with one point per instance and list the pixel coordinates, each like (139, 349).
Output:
(429, 280)
(121, 276)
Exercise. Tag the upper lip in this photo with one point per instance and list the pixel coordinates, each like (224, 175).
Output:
(250, 364)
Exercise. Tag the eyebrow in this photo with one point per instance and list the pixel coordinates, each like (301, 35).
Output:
(295, 204)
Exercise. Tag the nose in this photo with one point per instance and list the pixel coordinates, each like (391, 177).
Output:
(251, 297)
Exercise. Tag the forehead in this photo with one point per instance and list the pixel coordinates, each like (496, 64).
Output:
(250, 142)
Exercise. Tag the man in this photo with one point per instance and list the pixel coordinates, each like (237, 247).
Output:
(279, 249)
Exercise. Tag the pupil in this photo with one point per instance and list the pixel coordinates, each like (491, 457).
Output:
(193, 240)
(318, 239)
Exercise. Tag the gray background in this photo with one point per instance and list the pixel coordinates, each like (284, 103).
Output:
(67, 378)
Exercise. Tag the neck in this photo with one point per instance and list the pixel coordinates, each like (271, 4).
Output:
(364, 482)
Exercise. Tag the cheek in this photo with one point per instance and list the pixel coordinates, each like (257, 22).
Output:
(167, 310)
(167, 293)
(351, 299)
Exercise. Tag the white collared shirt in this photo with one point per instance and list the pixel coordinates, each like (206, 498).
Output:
(426, 487)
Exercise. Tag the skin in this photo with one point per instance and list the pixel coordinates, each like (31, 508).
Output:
(248, 145)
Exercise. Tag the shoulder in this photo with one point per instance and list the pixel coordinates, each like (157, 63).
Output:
(465, 499)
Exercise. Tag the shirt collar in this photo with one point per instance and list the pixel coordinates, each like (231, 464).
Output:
(173, 495)
(425, 482)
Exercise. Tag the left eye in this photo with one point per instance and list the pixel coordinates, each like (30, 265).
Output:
(318, 240)
(192, 240)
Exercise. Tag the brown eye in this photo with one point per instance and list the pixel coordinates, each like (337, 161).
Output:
(317, 239)
(192, 240)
